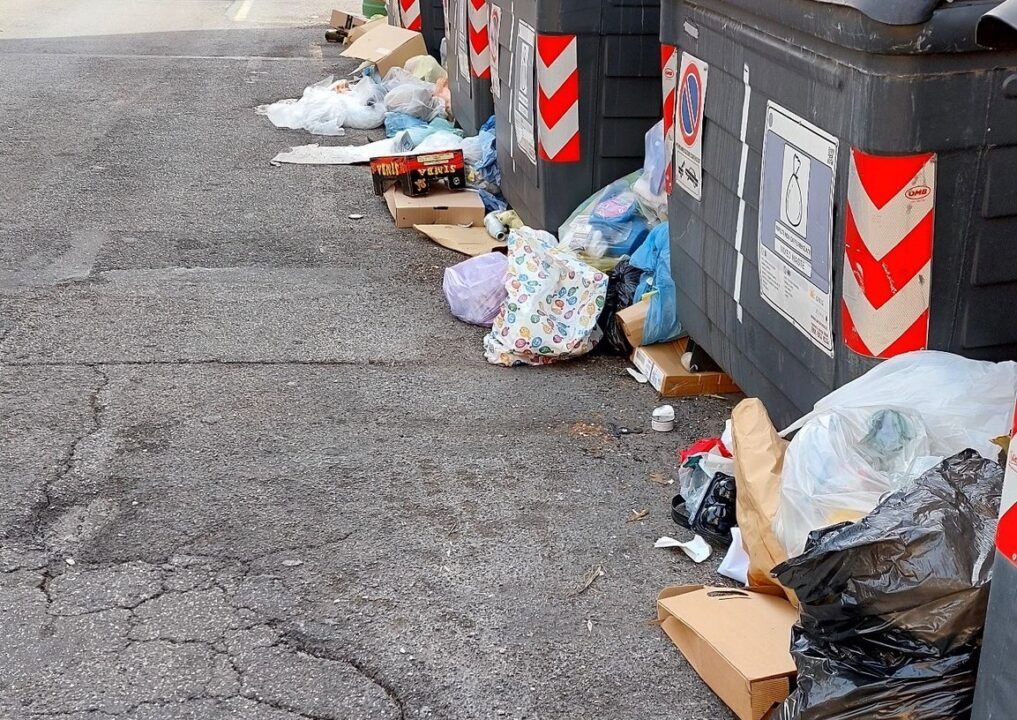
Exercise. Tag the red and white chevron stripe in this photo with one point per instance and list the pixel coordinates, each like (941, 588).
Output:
(479, 12)
(409, 15)
(669, 81)
(558, 98)
(888, 253)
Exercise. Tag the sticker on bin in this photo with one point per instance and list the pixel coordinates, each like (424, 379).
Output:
(462, 41)
(669, 83)
(493, 33)
(796, 223)
(888, 232)
(522, 104)
(688, 159)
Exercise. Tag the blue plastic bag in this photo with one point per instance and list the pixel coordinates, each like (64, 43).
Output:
(653, 257)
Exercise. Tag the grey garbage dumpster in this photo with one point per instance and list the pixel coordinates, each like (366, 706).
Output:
(576, 86)
(843, 187)
(469, 62)
(425, 16)
(996, 692)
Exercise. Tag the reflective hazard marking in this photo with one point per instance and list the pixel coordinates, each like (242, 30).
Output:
(669, 85)
(888, 253)
(796, 223)
(691, 99)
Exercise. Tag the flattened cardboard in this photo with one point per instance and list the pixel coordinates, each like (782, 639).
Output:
(662, 364)
(386, 46)
(470, 241)
(632, 320)
(759, 461)
(440, 207)
(738, 641)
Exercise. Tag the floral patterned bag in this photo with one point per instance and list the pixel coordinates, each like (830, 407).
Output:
(554, 300)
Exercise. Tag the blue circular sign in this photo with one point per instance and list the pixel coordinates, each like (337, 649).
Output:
(689, 104)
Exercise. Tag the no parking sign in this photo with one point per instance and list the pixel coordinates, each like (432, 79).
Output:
(688, 161)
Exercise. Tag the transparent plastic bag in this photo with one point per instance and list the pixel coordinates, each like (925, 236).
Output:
(963, 403)
(425, 67)
(416, 99)
(325, 109)
(839, 466)
(475, 288)
(610, 224)
(365, 105)
(654, 158)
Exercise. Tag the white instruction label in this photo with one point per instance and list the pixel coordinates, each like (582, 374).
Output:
(796, 223)
(462, 40)
(493, 34)
(523, 105)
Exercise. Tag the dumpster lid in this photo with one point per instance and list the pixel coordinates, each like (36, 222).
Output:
(893, 12)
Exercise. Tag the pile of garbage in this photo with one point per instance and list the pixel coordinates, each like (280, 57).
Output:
(860, 538)
(545, 298)
(873, 526)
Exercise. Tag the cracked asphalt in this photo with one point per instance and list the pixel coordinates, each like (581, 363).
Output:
(250, 466)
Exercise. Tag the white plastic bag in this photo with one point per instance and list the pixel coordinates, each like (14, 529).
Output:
(323, 110)
(475, 288)
(875, 434)
(654, 158)
(365, 105)
(554, 299)
(964, 403)
(415, 98)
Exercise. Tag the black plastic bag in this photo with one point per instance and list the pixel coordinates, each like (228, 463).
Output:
(893, 606)
(622, 281)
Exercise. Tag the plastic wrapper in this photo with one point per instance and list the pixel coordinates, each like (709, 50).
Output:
(893, 606)
(653, 257)
(475, 288)
(433, 142)
(554, 299)
(836, 471)
(621, 292)
(412, 97)
(323, 110)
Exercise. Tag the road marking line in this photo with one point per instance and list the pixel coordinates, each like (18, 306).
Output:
(241, 14)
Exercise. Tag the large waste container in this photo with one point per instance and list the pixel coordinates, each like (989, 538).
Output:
(425, 16)
(576, 86)
(843, 187)
(469, 62)
(996, 693)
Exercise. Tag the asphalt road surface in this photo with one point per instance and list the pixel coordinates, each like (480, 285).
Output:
(250, 467)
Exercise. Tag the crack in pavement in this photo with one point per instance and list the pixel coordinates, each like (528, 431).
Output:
(47, 508)
(318, 648)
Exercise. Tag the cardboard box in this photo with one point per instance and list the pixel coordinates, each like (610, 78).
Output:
(737, 640)
(631, 320)
(386, 46)
(662, 364)
(440, 207)
(345, 21)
